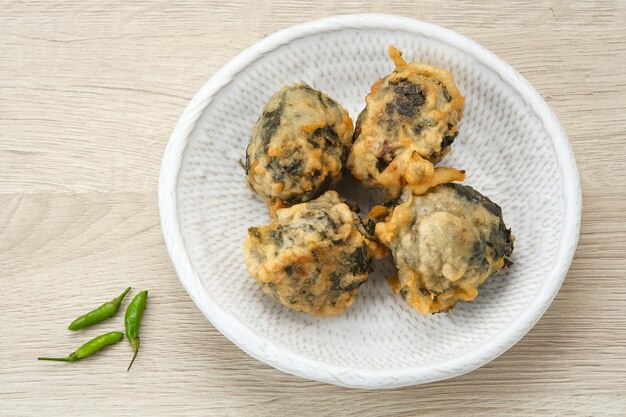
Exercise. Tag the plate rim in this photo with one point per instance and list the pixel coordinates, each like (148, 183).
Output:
(287, 361)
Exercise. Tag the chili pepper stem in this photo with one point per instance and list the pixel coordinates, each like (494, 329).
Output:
(132, 360)
(55, 359)
(134, 342)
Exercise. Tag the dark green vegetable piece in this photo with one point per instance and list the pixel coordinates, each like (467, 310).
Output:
(90, 347)
(134, 313)
(105, 311)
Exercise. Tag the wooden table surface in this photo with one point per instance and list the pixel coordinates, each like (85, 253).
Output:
(90, 92)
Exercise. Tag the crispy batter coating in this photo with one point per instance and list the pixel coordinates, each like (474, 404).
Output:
(408, 125)
(445, 243)
(313, 257)
(298, 146)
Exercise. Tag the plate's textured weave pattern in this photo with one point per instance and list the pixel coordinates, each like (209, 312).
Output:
(510, 143)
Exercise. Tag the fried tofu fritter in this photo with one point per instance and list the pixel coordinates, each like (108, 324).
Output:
(408, 125)
(445, 243)
(313, 257)
(298, 146)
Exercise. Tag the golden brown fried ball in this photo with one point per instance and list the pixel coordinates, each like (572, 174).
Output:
(313, 257)
(445, 243)
(409, 122)
(298, 146)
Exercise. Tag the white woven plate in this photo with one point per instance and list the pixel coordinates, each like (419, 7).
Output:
(510, 143)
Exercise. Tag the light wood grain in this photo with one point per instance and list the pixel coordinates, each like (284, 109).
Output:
(89, 93)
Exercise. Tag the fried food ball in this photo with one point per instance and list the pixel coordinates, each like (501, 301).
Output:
(445, 243)
(313, 257)
(298, 146)
(408, 125)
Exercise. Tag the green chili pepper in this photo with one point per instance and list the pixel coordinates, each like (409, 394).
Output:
(134, 313)
(90, 347)
(105, 311)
